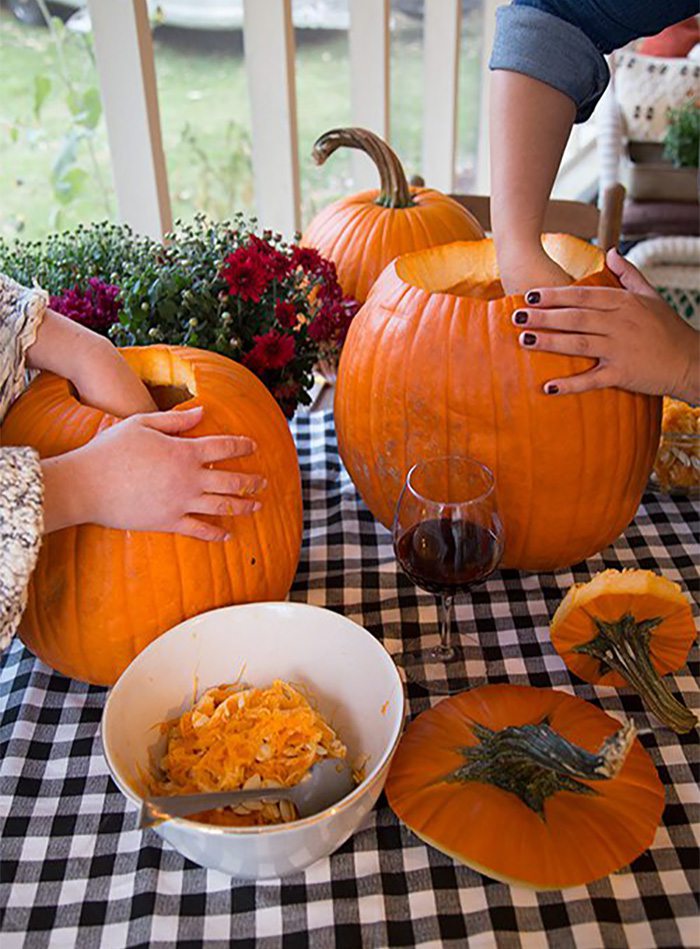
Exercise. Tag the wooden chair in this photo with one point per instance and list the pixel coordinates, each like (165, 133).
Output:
(568, 217)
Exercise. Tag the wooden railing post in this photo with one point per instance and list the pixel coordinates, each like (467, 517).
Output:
(483, 172)
(369, 79)
(269, 58)
(442, 33)
(124, 54)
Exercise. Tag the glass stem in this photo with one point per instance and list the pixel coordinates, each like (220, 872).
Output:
(445, 650)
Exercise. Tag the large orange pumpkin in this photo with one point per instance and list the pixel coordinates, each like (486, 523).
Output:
(527, 785)
(432, 366)
(99, 596)
(365, 231)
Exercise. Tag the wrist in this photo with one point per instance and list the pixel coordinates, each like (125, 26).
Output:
(688, 384)
(67, 496)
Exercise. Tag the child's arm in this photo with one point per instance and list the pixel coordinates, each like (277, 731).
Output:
(94, 366)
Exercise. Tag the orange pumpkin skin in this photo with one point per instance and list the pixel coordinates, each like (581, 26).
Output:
(363, 233)
(432, 366)
(361, 236)
(580, 839)
(99, 596)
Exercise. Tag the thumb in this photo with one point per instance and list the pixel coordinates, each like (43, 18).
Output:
(173, 423)
(628, 275)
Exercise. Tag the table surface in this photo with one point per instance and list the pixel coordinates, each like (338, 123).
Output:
(77, 872)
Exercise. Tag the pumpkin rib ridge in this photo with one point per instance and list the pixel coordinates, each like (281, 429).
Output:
(494, 414)
(377, 421)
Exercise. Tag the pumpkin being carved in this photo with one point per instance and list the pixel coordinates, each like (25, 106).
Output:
(432, 366)
(365, 231)
(99, 596)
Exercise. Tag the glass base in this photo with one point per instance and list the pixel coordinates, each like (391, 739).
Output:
(445, 670)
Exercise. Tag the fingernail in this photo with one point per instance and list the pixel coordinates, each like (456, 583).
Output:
(227, 537)
(551, 389)
(529, 339)
(263, 484)
(520, 317)
(257, 506)
(532, 296)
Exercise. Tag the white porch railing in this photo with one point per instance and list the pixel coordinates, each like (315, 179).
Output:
(124, 54)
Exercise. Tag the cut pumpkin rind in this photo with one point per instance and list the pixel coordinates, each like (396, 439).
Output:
(577, 838)
(628, 628)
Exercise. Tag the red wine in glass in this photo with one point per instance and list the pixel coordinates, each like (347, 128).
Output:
(447, 538)
(448, 556)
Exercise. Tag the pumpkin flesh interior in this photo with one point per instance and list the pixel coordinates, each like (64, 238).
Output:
(470, 268)
(169, 378)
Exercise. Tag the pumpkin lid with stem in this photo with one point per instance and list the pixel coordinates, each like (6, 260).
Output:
(579, 795)
(628, 628)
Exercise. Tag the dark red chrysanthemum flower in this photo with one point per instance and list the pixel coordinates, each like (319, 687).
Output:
(278, 264)
(309, 259)
(246, 275)
(272, 351)
(285, 314)
(287, 396)
(332, 322)
(96, 307)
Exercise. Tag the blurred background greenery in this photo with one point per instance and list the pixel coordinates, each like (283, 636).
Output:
(54, 158)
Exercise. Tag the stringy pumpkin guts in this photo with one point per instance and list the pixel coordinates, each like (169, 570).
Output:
(236, 737)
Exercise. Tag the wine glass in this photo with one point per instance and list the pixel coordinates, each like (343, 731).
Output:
(448, 537)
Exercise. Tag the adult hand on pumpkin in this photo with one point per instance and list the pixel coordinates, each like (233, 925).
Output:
(640, 343)
(137, 476)
(94, 366)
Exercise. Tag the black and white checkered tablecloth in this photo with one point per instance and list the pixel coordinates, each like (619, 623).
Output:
(76, 872)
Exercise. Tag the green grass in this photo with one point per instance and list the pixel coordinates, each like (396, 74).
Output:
(205, 121)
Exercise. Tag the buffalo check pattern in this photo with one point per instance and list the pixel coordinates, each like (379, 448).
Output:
(76, 872)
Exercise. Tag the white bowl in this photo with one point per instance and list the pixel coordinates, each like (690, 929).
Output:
(345, 668)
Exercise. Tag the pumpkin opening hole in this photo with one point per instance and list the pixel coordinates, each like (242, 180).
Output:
(168, 396)
(470, 268)
(169, 378)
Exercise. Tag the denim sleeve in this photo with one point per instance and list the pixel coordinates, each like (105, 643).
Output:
(561, 42)
(611, 24)
(544, 47)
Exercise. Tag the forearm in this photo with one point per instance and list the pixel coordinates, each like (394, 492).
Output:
(94, 366)
(530, 125)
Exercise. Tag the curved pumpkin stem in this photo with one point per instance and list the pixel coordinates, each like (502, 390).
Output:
(394, 191)
(624, 647)
(534, 762)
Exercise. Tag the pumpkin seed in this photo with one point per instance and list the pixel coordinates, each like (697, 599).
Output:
(287, 811)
